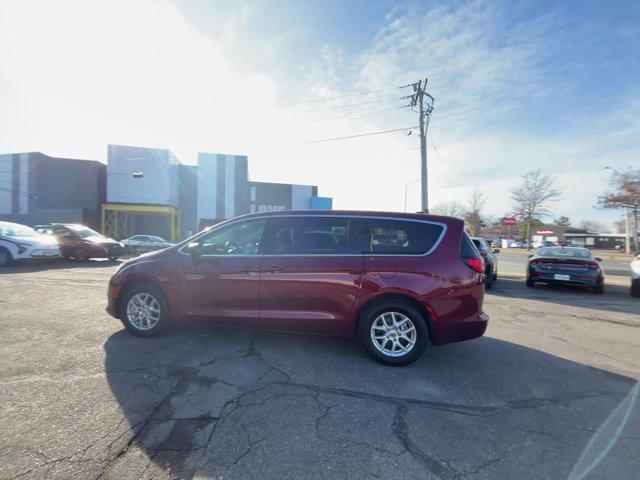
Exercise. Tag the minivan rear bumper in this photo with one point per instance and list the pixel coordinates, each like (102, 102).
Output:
(460, 331)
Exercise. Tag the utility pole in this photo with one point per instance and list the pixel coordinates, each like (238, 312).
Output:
(418, 98)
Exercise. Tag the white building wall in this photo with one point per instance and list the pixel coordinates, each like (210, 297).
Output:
(6, 175)
(207, 185)
(157, 186)
(301, 197)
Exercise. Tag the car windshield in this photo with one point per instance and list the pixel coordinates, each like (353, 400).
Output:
(564, 252)
(16, 230)
(156, 239)
(84, 232)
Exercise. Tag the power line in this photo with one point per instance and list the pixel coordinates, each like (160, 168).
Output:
(359, 113)
(368, 92)
(336, 107)
(442, 164)
(359, 135)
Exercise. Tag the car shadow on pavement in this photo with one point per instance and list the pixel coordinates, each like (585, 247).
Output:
(43, 265)
(226, 403)
(615, 298)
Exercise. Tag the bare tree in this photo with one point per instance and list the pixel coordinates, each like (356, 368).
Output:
(592, 226)
(450, 209)
(626, 196)
(473, 216)
(532, 195)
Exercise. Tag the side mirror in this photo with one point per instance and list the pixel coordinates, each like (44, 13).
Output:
(530, 255)
(193, 249)
(598, 259)
(496, 250)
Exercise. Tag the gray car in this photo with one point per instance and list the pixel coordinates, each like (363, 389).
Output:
(490, 261)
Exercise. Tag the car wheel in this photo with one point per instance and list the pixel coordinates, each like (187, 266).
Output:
(80, 255)
(635, 288)
(5, 257)
(488, 280)
(529, 282)
(393, 333)
(599, 288)
(144, 310)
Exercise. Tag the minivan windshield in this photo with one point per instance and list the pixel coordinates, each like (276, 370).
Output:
(17, 230)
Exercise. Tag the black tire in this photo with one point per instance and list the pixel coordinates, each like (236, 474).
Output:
(157, 294)
(599, 288)
(80, 255)
(5, 257)
(395, 306)
(635, 288)
(529, 282)
(488, 280)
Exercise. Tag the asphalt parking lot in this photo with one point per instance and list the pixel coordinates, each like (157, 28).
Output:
(550, 392)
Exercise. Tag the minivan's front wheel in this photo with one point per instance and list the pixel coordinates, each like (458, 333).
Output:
(144, 310)
(394, 333)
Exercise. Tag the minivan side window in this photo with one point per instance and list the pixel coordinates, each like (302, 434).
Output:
(242, 238)
(399, 237)
(309, 236)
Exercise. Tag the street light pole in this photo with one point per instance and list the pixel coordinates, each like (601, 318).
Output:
(406, 186)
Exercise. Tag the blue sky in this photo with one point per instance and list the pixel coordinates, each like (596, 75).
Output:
(518, 85)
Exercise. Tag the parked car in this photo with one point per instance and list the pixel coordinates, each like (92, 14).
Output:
(635, 277)
(566, 265)
(81, 243)
(395, 281)
(144, 243)
(544, 243)
(490, 261)
(19, 242)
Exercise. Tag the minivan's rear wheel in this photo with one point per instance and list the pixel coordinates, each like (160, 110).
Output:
(144, 310)
(394, 333)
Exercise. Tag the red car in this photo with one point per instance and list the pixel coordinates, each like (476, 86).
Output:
(395, 281)
(80, 242)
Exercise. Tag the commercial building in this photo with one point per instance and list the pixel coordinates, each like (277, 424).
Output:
(150, 191)
(36, 188)
(140, 191)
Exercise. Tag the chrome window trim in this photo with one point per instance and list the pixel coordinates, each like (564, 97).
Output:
(359, 217)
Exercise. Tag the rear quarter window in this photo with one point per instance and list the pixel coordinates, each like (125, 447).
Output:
(399, 237)
(467, 247)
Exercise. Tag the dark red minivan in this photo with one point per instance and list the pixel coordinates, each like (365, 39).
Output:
(395, 281)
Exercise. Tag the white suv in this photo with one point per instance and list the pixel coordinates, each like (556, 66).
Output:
(19, 242)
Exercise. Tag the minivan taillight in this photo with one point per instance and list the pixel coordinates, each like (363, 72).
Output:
(475, 263)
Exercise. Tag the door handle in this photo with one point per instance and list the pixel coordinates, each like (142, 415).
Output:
(249, 270)
(273, 269)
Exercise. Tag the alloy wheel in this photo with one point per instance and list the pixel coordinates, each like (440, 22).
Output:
(143, 311)
(393, 334)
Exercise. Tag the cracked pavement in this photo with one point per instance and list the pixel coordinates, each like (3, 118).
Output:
(547, 393)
